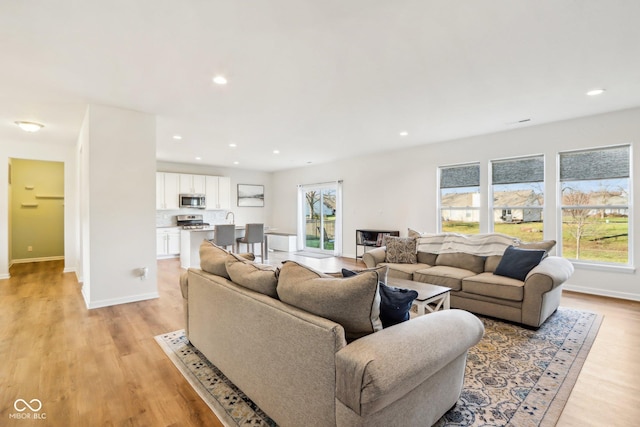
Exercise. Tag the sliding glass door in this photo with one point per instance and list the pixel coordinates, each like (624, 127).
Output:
(320, 218)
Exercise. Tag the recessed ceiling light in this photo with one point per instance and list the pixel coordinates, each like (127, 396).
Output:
(232, 145)
(236, 162)
(404, 133)
(276, 151)
(29, 126)
(220, 80)
(198, 158)
(596, 92)
(177, 137)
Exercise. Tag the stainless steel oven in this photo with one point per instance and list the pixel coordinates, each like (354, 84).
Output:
(197, 201)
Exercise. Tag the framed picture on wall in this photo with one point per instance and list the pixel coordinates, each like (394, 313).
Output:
(250, 195)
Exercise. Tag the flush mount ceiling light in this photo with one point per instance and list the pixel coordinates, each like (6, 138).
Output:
(177, 137)
(596, 92)
(29, 126)
(220, 80)
(276, 151)
(232, 145)
(198, 158)
(404, 133)
(236, 162)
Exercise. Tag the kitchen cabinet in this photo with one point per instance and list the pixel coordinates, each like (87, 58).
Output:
(167, 190)
(192, 184)
(218, 192)
(167, 241)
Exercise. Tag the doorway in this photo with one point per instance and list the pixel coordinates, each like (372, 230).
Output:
(320, 218)
(36, 210)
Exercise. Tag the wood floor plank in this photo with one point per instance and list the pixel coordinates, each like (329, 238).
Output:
(103, 367)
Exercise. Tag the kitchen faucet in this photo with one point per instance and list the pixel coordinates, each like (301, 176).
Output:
(233, 217)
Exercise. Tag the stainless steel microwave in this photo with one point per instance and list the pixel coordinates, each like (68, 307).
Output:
(197, 201)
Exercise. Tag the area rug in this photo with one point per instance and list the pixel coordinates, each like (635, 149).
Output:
(515, 377)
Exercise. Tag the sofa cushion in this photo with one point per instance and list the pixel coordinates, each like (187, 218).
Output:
(395, 303)
(400, 249)
(213, 258)
(402, 271)
(517, 263)
(470, 262)
(257, 277)
(490, 285)
(491, 263)
(443, 276)
(427, 258)
(353, 302)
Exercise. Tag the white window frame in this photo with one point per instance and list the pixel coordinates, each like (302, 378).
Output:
(439, 206)
(492, 207)
(628, 266)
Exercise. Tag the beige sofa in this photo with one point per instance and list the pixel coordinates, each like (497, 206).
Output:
(300, 368)
(466, 264)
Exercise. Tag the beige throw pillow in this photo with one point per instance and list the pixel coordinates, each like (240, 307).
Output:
(257, 277)
(353, 302)
(213, 258)
(400, 250)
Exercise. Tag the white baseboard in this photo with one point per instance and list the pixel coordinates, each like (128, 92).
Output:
(117, 301)
(41, 259)
(5, 276)
(601, 292)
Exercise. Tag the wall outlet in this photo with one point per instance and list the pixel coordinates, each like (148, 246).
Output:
(29, 248)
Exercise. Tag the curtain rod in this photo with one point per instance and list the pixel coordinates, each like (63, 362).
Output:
(339, 181)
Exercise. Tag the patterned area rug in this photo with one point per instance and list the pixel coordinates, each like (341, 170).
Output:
(515, 377)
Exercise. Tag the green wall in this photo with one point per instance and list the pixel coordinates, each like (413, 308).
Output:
(42, 226)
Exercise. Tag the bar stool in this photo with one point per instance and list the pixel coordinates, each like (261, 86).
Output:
(224, 235)
(253, 233)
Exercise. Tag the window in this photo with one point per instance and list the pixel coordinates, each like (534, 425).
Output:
(595, 206)
(518, 197)
(460, 198)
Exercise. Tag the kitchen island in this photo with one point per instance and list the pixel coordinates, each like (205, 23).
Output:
(190, 241)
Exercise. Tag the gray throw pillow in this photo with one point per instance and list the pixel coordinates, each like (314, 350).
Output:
(353, 302)
(401, 250)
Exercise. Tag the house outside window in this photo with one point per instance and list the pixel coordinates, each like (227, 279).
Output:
(459, 203)
(517, 189)
(595, 205)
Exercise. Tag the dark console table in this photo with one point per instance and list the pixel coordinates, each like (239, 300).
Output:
(371, 239)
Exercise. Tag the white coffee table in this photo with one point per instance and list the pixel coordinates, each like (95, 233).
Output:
(431, 298)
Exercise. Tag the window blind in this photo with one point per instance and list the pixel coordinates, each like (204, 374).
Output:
(460, 176)
(515, 171)
(603, 163)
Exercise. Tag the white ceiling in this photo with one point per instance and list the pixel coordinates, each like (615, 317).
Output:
(317, 80)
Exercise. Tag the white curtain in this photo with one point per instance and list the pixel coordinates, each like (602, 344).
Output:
(337, 245)
(300, 219)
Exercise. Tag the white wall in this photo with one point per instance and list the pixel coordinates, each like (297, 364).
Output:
(40, 150)
(243, 215)
(397, 189)
(118, 206)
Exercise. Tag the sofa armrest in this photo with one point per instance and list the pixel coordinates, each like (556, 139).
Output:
(378, 369)
(374, 256)
(550, 273)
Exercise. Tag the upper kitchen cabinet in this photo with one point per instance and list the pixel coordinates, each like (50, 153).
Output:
(218, 192)
(167, 190)
(192, 184)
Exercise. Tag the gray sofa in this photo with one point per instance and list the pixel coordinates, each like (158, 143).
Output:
(300, 368)
(466, 264)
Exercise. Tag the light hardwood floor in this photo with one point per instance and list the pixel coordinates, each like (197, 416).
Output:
(103, 367)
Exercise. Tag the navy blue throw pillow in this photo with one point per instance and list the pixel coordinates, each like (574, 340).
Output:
(517, 263)
(395, 303)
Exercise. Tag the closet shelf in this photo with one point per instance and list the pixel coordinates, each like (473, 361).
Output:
(48, 196)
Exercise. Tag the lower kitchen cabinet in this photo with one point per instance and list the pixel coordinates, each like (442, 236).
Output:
(167, 242)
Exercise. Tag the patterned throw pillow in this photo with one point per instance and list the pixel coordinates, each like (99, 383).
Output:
(400, 250)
